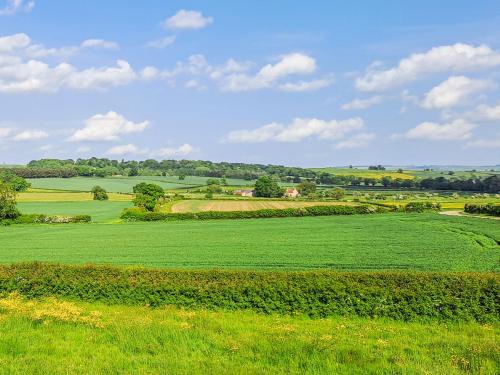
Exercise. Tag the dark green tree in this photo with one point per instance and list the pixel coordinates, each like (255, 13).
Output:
(99, 193)
(306, 187)
(265, 186)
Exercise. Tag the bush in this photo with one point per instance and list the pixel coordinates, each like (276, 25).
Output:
(422, 206)
(99, 193)
(44, 219)
(486, 209)
(404, 296)
(134, 214)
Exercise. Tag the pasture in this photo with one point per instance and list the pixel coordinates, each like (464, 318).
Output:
(66, 196)
(245, 205)
(51, 336)
(121, 184)
(418, 242)
(366, 173)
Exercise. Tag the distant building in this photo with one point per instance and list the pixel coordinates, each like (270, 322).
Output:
(291, 193)
(244, 193)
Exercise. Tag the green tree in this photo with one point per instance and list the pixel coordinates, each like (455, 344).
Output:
(182, 176)
(337, 193)
(213, 181)
(16, 182)
(214, 189)
(306, 187)
(134, 171)
(386, 181)
(8, 209)
(99, 193)
(265, 186)
(147, 195)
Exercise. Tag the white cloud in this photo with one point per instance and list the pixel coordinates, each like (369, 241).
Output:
(362, 103)
(303, 86)
(194, 84)
(125, 149)
(99, 44)
(15, 6)
(149, 72)
(187, 20)
(30, 135)
(21, 75)
(484, 143)
(485, 113)
(357, 141)
(452, 58)
(107, 127)
(183, 150)
(298, 130)
(162, 42)
(456, 130)
(4, 132)
(454, 91)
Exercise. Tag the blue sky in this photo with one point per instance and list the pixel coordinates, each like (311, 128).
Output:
(297, 83)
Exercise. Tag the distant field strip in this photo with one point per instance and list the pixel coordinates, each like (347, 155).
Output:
(54, 196)
(422, 242)
(365, 173)
(123, 184)
(245, 205)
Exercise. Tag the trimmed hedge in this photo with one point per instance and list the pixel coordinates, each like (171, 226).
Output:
(135, 214)
(398, 295)
(487, 209)
(45, 219)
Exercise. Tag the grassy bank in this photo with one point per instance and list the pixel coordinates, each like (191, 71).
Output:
(56, 337)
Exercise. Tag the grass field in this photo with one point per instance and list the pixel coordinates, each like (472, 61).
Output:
(365, 173)
(244, 205)
(362, 242)
(100, 211)
(123, 184)
(59, 337)
(58, 196)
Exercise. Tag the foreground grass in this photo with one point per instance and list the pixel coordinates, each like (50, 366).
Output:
(425, 242)
(58, 337)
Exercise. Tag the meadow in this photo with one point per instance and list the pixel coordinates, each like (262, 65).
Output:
(420, 242)
(51, 336)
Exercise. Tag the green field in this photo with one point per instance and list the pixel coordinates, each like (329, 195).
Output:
(124, 184)
(424, 242)
(100, 211)
(58, 337)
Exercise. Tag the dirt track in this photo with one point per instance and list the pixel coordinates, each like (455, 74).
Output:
(463, 214)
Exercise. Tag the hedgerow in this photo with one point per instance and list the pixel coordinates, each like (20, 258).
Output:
(422, 206)
(134, 214)
(47, 219)
(398, 295)
(487, 209)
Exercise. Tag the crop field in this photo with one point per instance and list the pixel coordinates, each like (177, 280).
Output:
(123, 184)
(100, 211)
(59, 196)
(244, 205)
(421, 242)
(51, 336)
(365, 173)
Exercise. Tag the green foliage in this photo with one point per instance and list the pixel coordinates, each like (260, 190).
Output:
(213, 181)
(337, 193)
(147, 195)
(266, 187)
(8, 208)
(397, 295)
(47, 219)
(99, 193)
(16, 182)
(486, 209)
(422, 206)
(214, 189)
(140, 215)
(306, 187)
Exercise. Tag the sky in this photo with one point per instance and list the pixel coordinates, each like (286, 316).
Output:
(316, 83)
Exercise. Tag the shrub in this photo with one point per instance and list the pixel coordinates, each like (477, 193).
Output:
(132, 214)
(8, 209)
(422, 206)
(398, 295)
(486, 209)
(45, 219)
(99, 193)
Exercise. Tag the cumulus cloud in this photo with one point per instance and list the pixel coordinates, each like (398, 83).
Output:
(362, 103)
(484, 143)
(485, 113)
(451, 58)
(99, 44)
(454, 91)
(107, 127)
(298, 130)
(187, 20)
(303, 86)
(357, 141)
(125, 150)
(21, 75)
(457, 130)
(162, 42)
(15, 6)
(30, 135)
(183, 150)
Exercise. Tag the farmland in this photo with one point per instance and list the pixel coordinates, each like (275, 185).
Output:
(424, 242)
